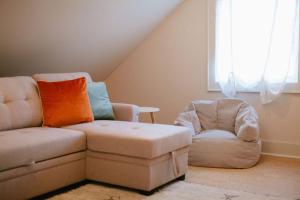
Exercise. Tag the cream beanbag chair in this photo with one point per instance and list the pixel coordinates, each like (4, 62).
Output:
(229, 136)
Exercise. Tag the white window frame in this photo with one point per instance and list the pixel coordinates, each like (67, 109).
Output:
(212, 84)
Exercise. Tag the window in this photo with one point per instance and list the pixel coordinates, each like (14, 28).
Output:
(254, 39)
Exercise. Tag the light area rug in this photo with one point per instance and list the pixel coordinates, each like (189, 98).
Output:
(177, 191)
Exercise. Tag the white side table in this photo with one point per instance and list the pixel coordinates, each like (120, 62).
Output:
(150, 110)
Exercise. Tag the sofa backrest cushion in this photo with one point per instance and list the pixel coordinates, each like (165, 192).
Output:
(54, 77)
(227, 112)
(207, 113)
(218, 114)
(19, 103)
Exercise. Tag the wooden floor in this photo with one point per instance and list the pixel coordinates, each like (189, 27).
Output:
(271, 176)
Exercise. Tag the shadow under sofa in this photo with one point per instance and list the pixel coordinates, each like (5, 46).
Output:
(35, 160)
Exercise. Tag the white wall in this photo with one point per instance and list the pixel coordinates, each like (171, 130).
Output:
(170, 69)
(74, 35)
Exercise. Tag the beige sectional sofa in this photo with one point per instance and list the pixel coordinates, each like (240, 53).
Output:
(35, 160)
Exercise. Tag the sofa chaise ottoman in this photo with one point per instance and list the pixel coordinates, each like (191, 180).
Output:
(136, 155)
(35, 160)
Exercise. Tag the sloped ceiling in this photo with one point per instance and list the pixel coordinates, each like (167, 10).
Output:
(74, 35)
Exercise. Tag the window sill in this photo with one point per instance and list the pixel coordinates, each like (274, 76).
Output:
(286, 91)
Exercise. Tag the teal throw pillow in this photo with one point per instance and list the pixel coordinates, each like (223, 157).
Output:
(101, 105)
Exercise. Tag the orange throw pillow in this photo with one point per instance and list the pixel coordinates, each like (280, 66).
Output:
(65, 102)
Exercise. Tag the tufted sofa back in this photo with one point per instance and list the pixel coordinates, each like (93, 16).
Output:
(19, 103)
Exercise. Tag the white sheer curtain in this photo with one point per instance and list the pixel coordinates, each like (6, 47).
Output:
(257, 45)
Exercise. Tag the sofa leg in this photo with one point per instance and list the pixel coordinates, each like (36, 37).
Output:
(181, 178)
(147, 193)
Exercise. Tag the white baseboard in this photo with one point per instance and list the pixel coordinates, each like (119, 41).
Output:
(281, 149)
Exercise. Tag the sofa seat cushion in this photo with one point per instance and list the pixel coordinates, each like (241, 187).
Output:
(215, 134)
(134, 139)
(22, 147)
(218, 148)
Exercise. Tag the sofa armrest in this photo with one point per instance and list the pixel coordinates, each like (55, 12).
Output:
(246, 124)
(126, 112)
